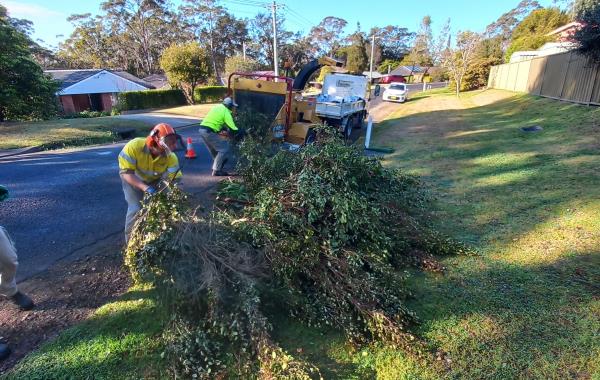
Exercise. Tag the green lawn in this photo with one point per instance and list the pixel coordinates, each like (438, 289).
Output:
(120, 341)
(61, 133)
(196, 110)
(527, 308)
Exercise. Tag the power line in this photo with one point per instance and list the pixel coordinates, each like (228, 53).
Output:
(296, 20)
(250, 3)
(298, 15)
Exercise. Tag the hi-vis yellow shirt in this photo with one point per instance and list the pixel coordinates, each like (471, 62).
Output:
(136, 156)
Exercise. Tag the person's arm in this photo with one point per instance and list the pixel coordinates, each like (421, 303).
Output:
(130, 177)
(229, 121)
(173, 170)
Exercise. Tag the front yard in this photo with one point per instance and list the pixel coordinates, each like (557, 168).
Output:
(62, 133)
(528, 307)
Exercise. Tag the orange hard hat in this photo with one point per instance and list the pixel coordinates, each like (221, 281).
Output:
(162, 130)
(158, 134)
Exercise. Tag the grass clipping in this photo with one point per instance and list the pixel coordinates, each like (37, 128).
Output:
(326, 226)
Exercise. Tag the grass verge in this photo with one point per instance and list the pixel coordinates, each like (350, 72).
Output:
(528, 307)
(120, 341)
(61, 133)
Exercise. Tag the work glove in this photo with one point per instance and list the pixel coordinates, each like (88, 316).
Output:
(241, 133)
(151, 190)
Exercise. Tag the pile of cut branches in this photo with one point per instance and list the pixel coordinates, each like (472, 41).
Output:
(330, 228)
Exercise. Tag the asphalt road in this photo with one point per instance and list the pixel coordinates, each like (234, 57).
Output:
(63, 203)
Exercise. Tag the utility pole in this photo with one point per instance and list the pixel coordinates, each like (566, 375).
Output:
(275, 58)
(244, 50)
(372, 54)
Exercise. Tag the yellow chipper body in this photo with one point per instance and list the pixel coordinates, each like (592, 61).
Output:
(280, 98)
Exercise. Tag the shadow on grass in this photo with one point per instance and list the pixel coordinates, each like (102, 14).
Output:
(528, 308)
(504, 321)
(118, 342)
(481, 155)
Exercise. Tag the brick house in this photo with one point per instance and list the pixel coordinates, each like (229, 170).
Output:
(94, 90)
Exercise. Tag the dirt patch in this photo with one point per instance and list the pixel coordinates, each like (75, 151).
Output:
(65, 294)
(69, 292)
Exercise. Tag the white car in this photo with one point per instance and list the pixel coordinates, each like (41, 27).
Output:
(397, 92)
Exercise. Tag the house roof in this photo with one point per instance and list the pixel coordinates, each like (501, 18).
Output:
(157, 80)
(407, 70)
(68, 78)
(572, 25)
(376, 74)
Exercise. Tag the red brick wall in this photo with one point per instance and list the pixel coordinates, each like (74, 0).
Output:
(67, 104)
(106, 102)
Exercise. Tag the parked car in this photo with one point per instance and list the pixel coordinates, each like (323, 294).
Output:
(388, 79)
(397, 92)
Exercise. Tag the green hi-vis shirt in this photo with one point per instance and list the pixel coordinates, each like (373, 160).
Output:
(136, 156)
(217, 117)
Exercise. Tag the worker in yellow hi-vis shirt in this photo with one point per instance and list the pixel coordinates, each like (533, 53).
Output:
(143, 162)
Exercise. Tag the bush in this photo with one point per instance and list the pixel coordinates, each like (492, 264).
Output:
(139, 100)
(88, 114)
(325, 70)
(326, 229)
(477, 74)
(587, 12)
(239, 64)
(209, 94)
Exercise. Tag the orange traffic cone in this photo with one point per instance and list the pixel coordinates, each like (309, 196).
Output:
(190, 153)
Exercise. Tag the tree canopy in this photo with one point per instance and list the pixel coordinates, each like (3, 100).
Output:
(531, 33)
(186, 65)
(25, 91)
(587, 36)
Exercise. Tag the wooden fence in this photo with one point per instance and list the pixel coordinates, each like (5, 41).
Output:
(566, 76)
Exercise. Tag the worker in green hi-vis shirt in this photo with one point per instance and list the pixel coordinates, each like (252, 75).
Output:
(214, 132)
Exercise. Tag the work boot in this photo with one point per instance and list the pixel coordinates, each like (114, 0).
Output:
(22, 301)
(220, 173)
(4, 351)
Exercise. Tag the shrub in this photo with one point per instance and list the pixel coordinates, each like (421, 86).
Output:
(210, 94)
(138, 100)
(186, 65)
(239, 64)
(327, 227)
(477, 74)
(87, 114)
(587, 12)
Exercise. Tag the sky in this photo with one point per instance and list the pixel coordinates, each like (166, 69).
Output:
(49, 18)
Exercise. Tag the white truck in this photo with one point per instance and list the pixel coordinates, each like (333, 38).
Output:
(343, 101)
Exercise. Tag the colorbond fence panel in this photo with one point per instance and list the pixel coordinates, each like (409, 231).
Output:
(566, 76)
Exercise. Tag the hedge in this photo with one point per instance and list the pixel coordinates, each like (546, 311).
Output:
(209, 94)
(137, 100)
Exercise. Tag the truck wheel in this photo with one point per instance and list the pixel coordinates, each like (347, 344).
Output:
(348, 129)
(358, 120)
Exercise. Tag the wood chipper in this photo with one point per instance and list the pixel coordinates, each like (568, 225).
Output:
(293, 114)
